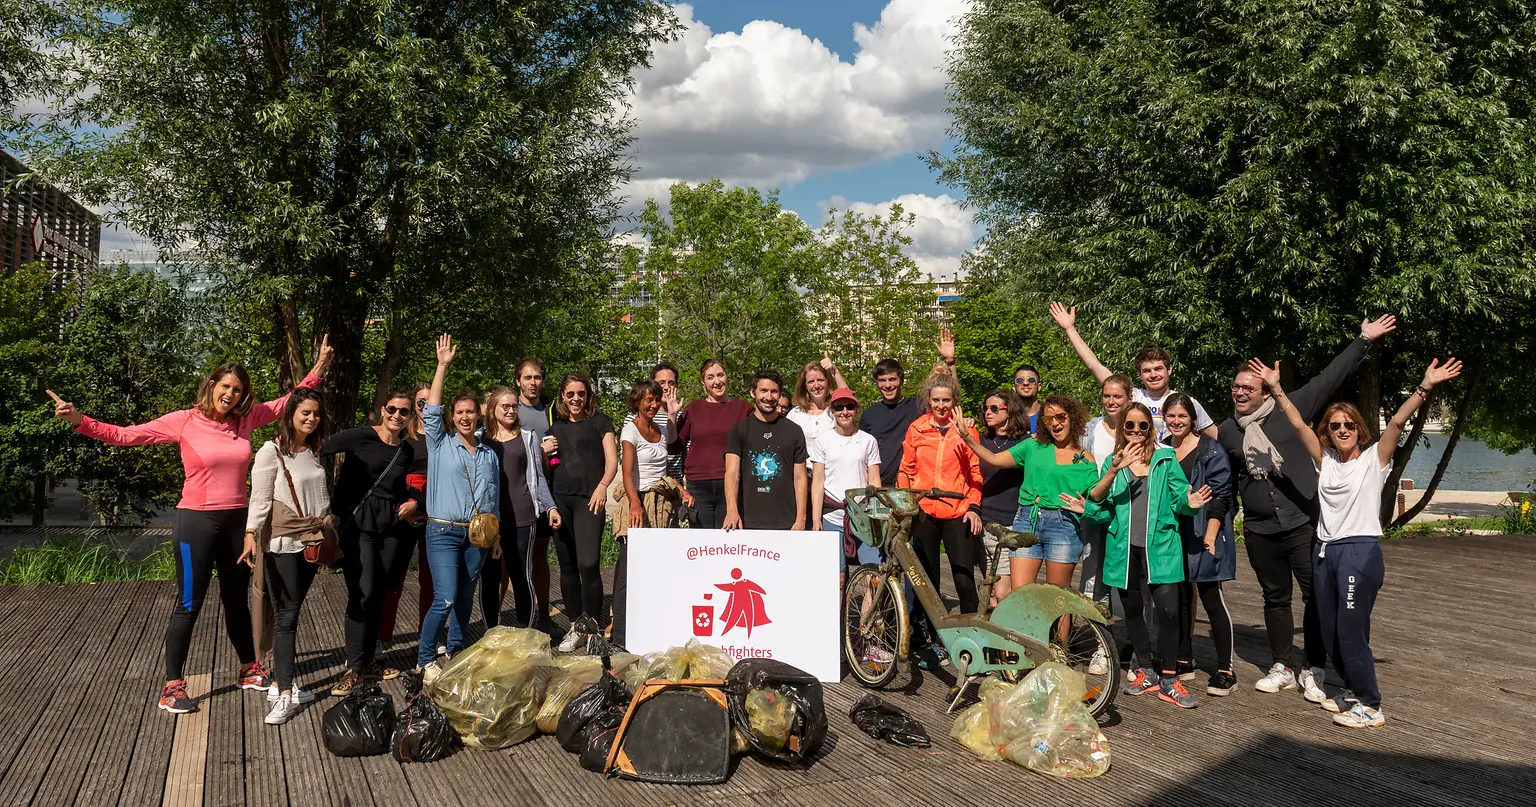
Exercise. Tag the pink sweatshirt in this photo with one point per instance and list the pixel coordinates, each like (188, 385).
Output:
(215, 456)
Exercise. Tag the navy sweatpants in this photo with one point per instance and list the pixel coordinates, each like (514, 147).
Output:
(1346, 574)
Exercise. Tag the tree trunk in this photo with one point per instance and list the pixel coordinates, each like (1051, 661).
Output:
(1400, 458)
(1369, 380)
(291, 364)
(394, 351)
(1450, 446)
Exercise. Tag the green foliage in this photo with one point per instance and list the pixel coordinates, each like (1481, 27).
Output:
(1520, 516)
(1235, 177)
(79, 559)
(29, 323)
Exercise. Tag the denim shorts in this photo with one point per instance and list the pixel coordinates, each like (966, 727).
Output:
(1061, 539)
(867, 555)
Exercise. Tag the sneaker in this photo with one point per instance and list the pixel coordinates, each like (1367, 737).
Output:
(1172, 690)
(1341, 703)
(254, 676)
(1141, 682)
(1360, 717)
(1099, 665)
(173, 698)
(1186, 671)
(376, 670)
(875, 654)
(1279, 677)
(1310, 681)
(1221, 684)
(350, 681)
(932, 657)
(431, 672)
(299, 694)
(283, 710)
(577, 636)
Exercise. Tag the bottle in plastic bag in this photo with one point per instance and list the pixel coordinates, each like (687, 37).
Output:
(1042, 724)
(771, 716)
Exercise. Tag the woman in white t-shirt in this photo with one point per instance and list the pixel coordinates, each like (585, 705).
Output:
(643, 451)
(1348, 568)
(813, 396)
(843, 459)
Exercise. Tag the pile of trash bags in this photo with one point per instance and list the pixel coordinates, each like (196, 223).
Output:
(1040, 723)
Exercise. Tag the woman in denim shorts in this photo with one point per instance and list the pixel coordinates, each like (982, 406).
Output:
(1057, 471)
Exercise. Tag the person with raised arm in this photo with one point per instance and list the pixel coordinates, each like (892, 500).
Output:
(939, 453)
(1278, 489)
(463, 478)
(889, 418)
(1153, 364)
(1140, 495)
(1347, 567)
(1006, 424)
(666, 417)
(813, 397)
(208, 532)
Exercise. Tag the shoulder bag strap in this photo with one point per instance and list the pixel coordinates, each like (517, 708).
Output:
(353, 518)
(297, 507)
(474, 507)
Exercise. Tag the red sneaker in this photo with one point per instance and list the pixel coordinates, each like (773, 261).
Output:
(254, 676)
(173, 698)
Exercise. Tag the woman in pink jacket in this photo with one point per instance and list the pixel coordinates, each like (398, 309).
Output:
(209, 529)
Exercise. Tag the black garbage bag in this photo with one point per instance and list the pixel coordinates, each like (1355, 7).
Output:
(778, 707)
(885, 721)
(422, 733)
(597, 738)
(608, 694)
(360, 726)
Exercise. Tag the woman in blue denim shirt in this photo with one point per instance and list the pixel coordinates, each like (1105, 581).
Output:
(462, 476)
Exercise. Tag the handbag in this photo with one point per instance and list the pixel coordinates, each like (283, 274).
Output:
(321, 544)
(484, 528)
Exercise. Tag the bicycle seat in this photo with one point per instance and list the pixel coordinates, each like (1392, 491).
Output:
(1008, 539)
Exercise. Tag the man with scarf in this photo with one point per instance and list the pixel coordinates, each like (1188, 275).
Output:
(1278, 486)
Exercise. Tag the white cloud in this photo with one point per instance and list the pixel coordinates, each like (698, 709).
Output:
(770, 105)
(941, 233)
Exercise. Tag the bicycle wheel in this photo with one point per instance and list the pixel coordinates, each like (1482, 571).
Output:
(874, 619)
(1090, 649)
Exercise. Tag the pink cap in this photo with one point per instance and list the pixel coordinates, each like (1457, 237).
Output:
(844, 394)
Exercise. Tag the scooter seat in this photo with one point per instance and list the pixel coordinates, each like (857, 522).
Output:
(1009, 539)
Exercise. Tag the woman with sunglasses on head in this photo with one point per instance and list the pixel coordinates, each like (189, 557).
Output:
(214, 437)
(589, 459)
(1140, 495)
(370, 502)
(702, 428)
(1210, 548)
(1348, 567)
(1007, 424)
(524, 501)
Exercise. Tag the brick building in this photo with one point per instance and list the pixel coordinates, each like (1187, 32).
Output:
(41, 222)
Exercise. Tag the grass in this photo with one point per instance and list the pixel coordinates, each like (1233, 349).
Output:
(1449, 526)
(76, 559)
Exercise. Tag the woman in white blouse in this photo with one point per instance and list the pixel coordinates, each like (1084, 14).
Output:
(1348, 568)
(287, 477)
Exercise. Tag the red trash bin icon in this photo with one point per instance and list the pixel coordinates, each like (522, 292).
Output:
(703, 620)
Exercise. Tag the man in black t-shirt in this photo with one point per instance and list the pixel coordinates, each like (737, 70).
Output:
(765, 481)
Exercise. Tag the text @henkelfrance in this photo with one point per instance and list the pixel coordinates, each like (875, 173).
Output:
(731, 550)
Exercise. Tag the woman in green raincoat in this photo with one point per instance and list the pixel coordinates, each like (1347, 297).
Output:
(1139, 496)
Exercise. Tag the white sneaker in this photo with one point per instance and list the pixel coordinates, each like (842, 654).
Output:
(1279, 677)
(283, 710)
(1360, 717)
(1099, 665)
(300, 694)
(1309, 681)
(1341, 703)
(431, 672)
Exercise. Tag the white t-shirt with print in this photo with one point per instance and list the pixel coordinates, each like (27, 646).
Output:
(1140, 395)
(1349, 495)
(650, 458)
(848, 458)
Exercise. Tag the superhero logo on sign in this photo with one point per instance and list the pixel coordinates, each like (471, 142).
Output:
(743, 609)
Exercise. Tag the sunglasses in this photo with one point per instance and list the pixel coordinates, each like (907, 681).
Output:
(576, 394)
(994, 409)
(398, 410)
(1024, 379)
(1343, 426)
(1137, 426)
(1057, 418)
(844, 407)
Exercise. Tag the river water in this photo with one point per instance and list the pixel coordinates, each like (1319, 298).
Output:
(1474, 466)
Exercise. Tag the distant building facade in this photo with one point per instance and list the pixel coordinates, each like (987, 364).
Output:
(39, 222)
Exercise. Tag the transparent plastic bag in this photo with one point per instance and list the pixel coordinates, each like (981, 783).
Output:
(771, 716)
(779, 709)
(573, 674)
(973, 728)
(491, 692)
(693, 660)
(1042, 724)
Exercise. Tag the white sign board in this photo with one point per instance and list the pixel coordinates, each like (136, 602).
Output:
(752, 593)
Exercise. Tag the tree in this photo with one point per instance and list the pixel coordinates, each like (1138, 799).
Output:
(1233, 177)
(375, 172)
(29, 325)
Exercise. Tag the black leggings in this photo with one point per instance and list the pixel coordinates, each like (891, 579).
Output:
(1165, 605)
(959, 545)
(369, 561)
(516, 564)
(1276, 560)
(288, 578)
(578, 545)
(708, 502)
(204, 540)
(1216, 612)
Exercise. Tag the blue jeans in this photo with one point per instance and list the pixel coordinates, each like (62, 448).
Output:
(455, 565)
(867, 555)
(1061, 540)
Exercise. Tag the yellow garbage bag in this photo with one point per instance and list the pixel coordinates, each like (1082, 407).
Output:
(572, 675)
(492, 691)
(1043, 724)
(973, 727)
(693, 660)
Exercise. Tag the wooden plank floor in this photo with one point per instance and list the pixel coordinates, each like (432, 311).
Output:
(1456, 646)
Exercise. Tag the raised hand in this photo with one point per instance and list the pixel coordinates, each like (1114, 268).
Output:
(445, 349)
(946, 346)
(967, 424)
(1440, 373)
(324, 355)
(64, 410)
(670, 403)
(1199, 498)
(826, 363)
(1128, 456)
(1379, 327)
(1073, 504)
(1271, 375)
(1066, 318)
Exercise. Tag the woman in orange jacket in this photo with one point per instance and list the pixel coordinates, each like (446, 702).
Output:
(933, 455)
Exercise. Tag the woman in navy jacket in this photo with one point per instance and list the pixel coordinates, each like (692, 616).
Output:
(1210, 548)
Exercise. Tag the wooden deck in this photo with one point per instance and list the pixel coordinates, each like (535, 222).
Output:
(80, 667)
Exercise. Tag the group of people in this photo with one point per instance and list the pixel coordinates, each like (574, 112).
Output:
(1138, 501)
